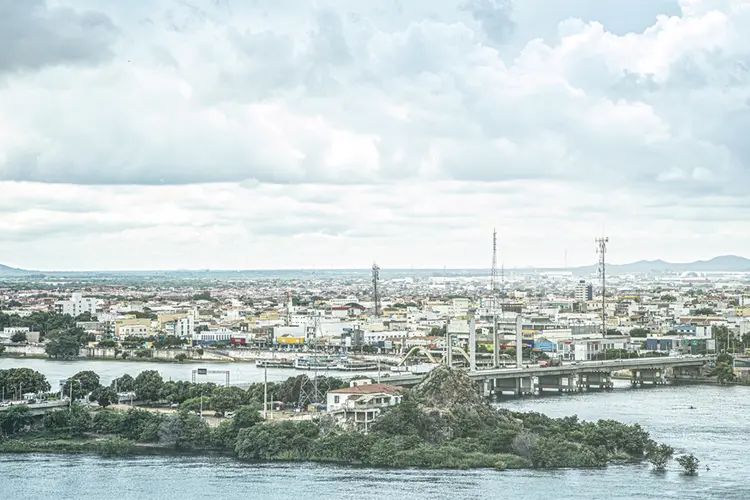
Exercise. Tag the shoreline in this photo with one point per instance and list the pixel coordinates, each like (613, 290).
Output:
(115, 448)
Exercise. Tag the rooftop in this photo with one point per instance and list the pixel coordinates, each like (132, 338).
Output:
(370, 389)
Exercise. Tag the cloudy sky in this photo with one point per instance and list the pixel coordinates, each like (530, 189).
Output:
(167, 134)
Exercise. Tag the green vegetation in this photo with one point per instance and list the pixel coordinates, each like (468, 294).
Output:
(18, 337)
(659, 455)
(689, 464)
(17, 381)
(441, 423)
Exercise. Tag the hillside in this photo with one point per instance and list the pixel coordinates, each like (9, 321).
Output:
(12, 271)
(724, 263)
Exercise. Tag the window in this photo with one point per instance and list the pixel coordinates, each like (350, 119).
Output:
(336, 399)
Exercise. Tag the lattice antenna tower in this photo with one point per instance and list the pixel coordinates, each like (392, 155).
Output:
(289, 307)
(376, 288)
(493, 272)
(601, 249)
(314, 390)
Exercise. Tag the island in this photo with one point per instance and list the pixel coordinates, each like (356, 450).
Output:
(441, 423)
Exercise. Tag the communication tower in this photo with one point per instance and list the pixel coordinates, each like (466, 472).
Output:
(602, 251)
(376, 288)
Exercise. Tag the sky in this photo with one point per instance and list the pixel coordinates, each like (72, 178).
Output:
(272, 134)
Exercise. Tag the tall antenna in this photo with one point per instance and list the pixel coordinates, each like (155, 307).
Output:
(493, 275)
(375, 290)
(602, 251)
(289, 307)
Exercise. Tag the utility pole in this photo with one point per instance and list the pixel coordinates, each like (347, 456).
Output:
(265, 391)
(602, 251)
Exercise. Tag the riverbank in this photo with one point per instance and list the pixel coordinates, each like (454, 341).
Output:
(441, 423)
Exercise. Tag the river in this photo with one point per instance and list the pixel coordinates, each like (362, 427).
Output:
(717, 431)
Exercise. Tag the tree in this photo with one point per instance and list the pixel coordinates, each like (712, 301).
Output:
(180, 357)
(183, 430)
(86, 316)
(21, 380)
(226, 399)
(724, 373)
(2, 349)
(659, 455)
(74, 421)
(688, 463)
(18, 337)
(15, 419)
(704, 311)
(83, 382)
(107, 343)
(148, 386)
(65, 344)
(639, 332)
(126, 383)
(104, 396)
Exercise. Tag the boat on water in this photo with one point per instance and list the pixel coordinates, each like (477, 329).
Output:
(354, 365)
(321, 362)
(274, 363)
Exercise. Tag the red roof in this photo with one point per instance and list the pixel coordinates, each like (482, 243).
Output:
(370, 389)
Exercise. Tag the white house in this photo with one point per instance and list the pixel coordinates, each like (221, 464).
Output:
(360, 404)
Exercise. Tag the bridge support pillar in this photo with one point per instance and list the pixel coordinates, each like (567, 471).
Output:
(654, 376)
(559, 383)
(502, 385)
(525, 386)
(599, 380)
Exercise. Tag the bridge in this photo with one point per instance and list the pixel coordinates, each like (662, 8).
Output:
(575, 376)
(37, 408)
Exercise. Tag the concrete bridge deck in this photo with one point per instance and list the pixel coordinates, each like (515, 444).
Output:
(568, 369)
(37, 408)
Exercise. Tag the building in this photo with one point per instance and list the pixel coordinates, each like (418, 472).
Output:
(213, 336)
(78, 304)
(133, 327)
(177, 325)
(360, 404)
(584, 291)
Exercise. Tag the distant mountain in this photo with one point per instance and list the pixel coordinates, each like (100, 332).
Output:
(12, 271)
(724, 263)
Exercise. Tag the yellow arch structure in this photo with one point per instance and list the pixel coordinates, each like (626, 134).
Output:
(415, 349)
(463, 353)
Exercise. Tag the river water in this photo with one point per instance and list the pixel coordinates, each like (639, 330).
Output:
(717, 431)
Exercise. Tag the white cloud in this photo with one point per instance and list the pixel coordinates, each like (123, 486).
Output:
(358, 130)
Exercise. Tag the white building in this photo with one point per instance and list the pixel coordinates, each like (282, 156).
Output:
(360, 404)
(180, 327)
(78, 304)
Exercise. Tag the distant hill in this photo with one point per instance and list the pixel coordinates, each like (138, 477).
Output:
(12, 271)
(724, 263)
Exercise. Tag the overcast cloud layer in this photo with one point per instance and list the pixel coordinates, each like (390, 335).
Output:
(266, 134)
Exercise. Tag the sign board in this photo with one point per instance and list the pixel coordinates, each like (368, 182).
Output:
(202, 371)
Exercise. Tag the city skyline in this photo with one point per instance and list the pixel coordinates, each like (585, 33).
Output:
(224, 135)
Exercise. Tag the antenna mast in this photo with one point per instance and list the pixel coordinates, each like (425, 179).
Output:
(375, 288)
(602, 251)
(493, 275)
